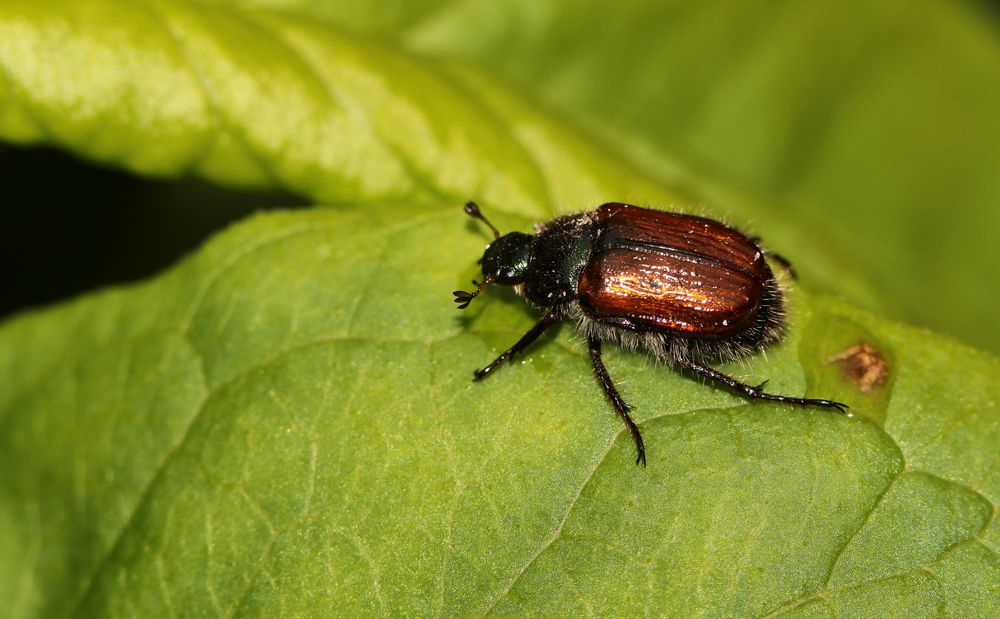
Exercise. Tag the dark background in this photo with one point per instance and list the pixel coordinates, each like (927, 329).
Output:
(73, 226)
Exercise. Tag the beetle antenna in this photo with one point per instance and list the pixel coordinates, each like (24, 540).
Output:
(463, 298)
(472, 209)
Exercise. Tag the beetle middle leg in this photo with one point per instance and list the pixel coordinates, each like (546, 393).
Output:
(540, 327)
(616, 399)
(757, 393)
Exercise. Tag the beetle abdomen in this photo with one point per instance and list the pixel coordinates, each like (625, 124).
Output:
(657, 271)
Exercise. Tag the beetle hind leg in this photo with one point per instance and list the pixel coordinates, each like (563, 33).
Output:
(621, 407)
(784, 262)
(757, 393)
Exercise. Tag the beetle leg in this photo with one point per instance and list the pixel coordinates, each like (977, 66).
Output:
(784, 262)
(540, 327)
(616, 399)
(756, 393)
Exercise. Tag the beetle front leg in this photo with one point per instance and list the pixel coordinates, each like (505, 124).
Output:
(616, 399)
(540, 327)
(757, 393)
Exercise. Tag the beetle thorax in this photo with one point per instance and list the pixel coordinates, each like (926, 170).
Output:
(559, 252)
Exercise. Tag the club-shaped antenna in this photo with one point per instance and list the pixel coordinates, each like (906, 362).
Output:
(472, 210)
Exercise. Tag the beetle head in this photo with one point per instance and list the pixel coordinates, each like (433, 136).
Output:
(505, 260)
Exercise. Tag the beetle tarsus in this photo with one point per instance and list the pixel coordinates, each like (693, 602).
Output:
(463, 298)
(841, 407)
(757, 393)
(540, 327)
(621, 407)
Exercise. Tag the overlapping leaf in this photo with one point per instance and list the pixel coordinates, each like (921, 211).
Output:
(872, 127)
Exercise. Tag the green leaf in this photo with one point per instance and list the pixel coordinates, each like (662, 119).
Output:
(872, 127)
(270, 99)
(249, 98)
(285, 424)
(866, 132)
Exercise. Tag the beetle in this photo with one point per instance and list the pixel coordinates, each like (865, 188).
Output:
(688, 290)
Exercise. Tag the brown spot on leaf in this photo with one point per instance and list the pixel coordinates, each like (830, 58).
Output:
(863, 365)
